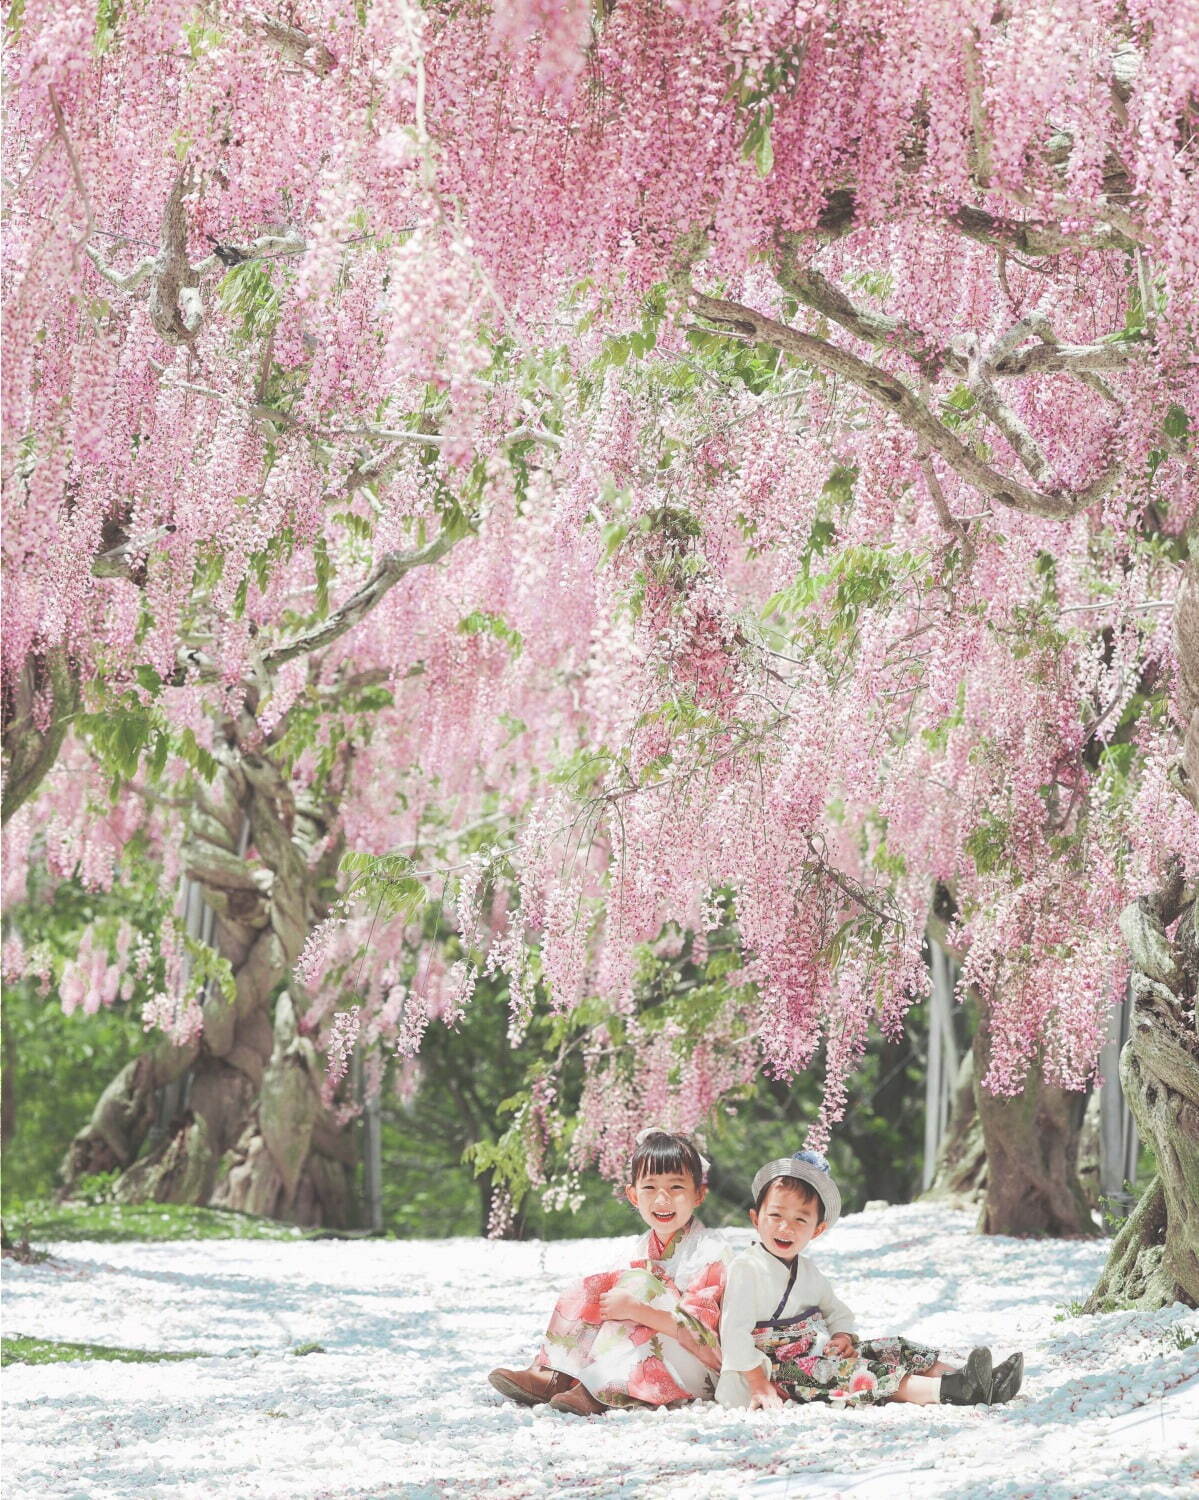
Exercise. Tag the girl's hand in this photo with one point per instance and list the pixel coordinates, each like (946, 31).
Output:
(620, 1307)
(841, 1345)
(766, 1400)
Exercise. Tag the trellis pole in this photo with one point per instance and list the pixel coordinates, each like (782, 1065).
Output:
(1119, 1142)
(943, 1059)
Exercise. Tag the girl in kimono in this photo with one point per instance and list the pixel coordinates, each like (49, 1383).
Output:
(643, 1334)
(786, 1335)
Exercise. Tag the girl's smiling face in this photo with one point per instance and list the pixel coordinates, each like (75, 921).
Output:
(787, 1223)
(666, 1201)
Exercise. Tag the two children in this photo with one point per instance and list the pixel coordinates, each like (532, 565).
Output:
(646, 1334)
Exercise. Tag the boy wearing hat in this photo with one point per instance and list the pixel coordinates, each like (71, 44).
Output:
(784, 1333)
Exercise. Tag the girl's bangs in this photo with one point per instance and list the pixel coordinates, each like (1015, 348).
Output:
(666, 1156)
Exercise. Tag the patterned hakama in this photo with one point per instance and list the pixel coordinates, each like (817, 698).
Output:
(802, 1372)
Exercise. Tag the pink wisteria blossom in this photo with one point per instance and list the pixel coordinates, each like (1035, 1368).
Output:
(721, 641)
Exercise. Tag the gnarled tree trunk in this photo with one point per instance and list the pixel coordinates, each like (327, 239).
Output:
(252, 1133)
(1031, 1142)
(1016, 1157)
(1155, 1257)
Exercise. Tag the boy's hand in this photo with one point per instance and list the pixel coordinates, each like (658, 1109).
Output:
(763, 1393)
(620, 1306)
(841, 1345)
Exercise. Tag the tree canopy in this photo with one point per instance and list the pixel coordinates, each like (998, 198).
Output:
(645, 474)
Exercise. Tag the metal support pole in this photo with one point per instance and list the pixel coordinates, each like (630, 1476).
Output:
(372, 1148)
(943, 1059)
(373, 1164)
(1119, 1142)
(932, 1088)
(199, 921)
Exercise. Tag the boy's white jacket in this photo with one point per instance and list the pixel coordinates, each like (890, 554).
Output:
(756, 1281)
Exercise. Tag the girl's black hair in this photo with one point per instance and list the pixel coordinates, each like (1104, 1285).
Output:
(661, 1154)
(795, 1185)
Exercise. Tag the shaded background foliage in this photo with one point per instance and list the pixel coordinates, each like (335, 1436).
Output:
(437, 1109)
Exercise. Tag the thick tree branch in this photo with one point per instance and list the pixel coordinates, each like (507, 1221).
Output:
(127, 281)
(1038, 237)
(296, 45)
(29, 750)
(173, 272)
(1116, 230)
(265, 247)
(979, 127)
(1039, 324)
(389, 572)
(951, 523)
(1074, 359)
(814, 290)
(894, 394)
(1026, 447)
(809, 286)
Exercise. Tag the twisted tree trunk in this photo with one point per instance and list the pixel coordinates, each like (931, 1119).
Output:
(252, 1133)
(1155, 1257)
(1031, 1141)
(1017, 1157)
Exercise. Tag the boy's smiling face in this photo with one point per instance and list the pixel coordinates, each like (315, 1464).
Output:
(787, 1223)
(666, 1201)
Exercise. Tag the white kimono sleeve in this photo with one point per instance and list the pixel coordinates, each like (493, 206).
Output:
(834, 1312)
(738, 1352)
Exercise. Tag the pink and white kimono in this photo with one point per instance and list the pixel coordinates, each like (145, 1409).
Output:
(627, 1364)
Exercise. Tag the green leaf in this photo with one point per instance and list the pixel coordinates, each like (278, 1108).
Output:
(614, 534)
(481, 622)
(764, 154)
(987, 845)
(248, 293)
(323, 567)
(359, 527)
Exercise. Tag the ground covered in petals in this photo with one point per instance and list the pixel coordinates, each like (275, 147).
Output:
(394, 1400)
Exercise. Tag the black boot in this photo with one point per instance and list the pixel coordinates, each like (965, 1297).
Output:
(1008, 1378)
(970, 1386)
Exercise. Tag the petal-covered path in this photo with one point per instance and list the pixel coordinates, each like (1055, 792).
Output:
(397, 1404)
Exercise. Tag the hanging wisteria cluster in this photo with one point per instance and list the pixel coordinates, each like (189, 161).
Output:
(680, 468)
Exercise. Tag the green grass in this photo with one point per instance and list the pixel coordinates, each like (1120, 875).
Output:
(43, 1221)
(19, 1350)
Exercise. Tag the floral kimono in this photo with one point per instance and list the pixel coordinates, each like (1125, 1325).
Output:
(627, 1364)
(779, 1315)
